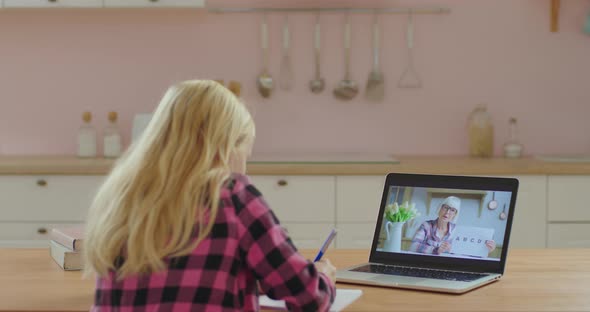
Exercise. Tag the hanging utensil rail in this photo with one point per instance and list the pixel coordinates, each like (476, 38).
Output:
(428, 10)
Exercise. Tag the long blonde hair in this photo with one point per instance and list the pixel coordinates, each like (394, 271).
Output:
(162, 196)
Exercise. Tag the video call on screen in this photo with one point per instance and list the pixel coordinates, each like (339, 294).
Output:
(443, 222)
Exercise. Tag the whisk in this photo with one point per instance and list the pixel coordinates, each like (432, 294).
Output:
(410, 78)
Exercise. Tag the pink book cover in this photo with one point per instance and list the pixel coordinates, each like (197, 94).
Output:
(71, 237)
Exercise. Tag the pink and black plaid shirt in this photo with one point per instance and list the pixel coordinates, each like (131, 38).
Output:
(246, 247)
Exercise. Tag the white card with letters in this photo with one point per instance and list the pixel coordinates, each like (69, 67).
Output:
(471, 241)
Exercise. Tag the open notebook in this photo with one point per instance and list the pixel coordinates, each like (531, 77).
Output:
(344, 297)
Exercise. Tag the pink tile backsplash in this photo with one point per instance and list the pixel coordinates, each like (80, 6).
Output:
(55, 64)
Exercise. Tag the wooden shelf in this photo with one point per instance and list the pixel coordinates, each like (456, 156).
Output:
(465, 194)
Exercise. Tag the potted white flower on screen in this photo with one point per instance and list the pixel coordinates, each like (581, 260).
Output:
(395, 218)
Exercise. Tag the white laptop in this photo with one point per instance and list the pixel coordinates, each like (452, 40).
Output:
(457, 241)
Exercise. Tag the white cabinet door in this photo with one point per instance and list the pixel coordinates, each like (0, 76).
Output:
(154, 3)
(53, 3)
(48, 198)
(529, 227)
(358, 198)
(27, 234)
(355, 235)
(569, 236)
(297, 199)
(568, 198)
(307, 235)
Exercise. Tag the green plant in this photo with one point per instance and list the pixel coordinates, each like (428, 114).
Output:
(403, 213)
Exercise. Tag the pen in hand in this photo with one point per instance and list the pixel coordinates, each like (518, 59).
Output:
(325, 245)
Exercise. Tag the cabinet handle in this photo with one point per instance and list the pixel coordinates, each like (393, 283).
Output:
(153, 0)
(42, 182)
(42, 230)
(282, 182)
(52, 1)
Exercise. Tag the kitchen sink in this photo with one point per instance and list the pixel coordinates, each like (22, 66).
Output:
(565, 158)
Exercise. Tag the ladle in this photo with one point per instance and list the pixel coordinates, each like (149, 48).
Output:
(265, 82)
(317, 84)
(347, 88)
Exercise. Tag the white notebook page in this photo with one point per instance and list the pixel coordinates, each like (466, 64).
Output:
(344, 297)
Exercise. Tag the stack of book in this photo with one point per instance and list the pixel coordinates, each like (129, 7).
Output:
(65, 247)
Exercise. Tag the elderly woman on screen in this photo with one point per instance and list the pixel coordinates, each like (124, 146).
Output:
(434, 236)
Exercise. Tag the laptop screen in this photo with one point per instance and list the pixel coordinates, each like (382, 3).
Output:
(445, 219)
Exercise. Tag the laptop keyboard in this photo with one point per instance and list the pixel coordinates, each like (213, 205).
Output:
(417, 272)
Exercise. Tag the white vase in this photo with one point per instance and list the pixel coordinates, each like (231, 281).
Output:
(393, 238)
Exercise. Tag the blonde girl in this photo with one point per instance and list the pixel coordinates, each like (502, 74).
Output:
(178, 226)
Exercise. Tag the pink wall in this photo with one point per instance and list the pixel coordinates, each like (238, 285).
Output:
(54, 64)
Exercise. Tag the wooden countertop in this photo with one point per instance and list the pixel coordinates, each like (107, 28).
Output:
(536, 280)
(71, 165)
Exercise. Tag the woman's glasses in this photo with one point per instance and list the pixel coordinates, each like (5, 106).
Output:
(449, 209)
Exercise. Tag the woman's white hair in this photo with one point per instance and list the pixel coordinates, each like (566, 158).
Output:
(451, 201)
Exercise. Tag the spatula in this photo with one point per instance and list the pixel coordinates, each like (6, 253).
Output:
(286, 72)
(375, 89)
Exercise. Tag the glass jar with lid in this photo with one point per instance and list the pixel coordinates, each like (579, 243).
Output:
(481, 132)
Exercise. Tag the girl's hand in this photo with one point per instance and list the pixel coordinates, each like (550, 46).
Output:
(326, 267)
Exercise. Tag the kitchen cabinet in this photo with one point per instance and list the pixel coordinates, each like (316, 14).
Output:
(46, 198)
(53, 3)
(568, 198)
(154, 3)
(310, 206)
(28, 234)
(355, 235)
(358, 199)
(308, 235)
(31, 205)
(568, 235)
(305, 205)
(551, 210)
(529, 226)
(569, 211)
(299, 199)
